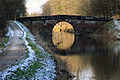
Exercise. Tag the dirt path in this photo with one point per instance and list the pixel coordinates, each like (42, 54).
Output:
(15, 49)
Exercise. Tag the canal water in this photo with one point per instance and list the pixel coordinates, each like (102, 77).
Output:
(87, 58)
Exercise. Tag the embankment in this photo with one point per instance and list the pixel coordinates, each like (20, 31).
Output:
(110, 31)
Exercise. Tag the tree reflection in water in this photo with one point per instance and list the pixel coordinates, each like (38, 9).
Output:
(88, 59)
(63, 36)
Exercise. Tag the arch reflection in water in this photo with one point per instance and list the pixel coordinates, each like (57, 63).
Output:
(63, 35)
(80, 66)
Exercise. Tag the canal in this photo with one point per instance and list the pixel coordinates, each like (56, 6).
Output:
(87, 58)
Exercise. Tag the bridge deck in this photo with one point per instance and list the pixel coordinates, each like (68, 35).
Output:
(54, 17)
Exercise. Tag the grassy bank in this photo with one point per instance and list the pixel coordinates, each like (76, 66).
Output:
(4, 42)
(113, 29)
(5, 39)
(107, 31)
(62, 71)
(29, 71)
(35, 65)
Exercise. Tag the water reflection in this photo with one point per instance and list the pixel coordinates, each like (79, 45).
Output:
(92, 59)
(87, 58)
(96, 61)
(63, 40)
(63, 35)
(80, 66)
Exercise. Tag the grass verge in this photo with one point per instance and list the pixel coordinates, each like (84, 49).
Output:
(29, 71)
(4, 42)
(35, 65)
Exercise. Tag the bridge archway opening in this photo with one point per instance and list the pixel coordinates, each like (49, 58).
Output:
(63, 35)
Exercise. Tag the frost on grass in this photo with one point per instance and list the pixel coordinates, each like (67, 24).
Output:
(117, 27)
(10, 32)
(37, 64)
(5, 40)
(114, 27)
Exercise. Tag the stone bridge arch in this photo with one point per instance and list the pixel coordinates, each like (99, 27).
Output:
(81, 24)
(54, 22)
(64, 23)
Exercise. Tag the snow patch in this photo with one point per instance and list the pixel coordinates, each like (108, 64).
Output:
(117, 27)
(10, 34)
(23, 62)
(118, 24)
(47, 72)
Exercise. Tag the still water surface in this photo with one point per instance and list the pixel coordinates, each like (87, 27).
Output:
(88, 59)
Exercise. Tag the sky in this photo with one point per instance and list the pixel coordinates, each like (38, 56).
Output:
(34, 5)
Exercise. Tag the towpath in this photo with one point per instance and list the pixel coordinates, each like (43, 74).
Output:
(15, 49)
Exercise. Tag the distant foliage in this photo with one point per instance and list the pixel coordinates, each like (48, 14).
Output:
(61, 7)
(102, 8)
(8, 9)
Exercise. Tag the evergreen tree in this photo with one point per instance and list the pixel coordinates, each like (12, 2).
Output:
(9, 9)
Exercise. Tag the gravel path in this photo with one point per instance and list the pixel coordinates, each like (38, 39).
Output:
(15, 49)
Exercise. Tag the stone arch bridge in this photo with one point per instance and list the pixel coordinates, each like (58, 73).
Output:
(81, 24)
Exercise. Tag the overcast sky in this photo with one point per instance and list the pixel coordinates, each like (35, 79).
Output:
(34, 5)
